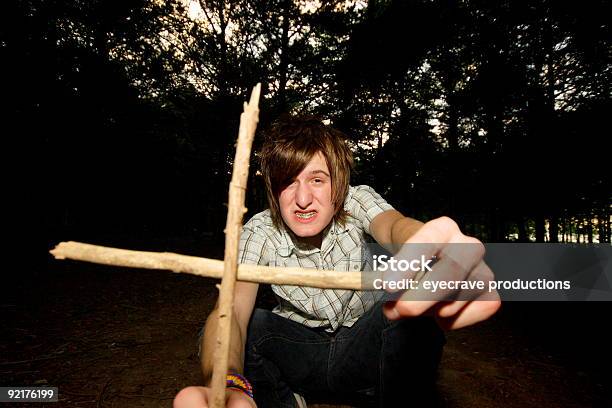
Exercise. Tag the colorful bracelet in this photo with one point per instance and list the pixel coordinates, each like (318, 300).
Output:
(239, 382)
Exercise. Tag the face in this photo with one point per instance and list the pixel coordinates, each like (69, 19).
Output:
(305, 204)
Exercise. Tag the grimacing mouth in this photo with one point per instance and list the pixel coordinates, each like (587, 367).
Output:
(305, 214)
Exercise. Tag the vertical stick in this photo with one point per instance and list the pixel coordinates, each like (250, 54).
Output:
(235, 211)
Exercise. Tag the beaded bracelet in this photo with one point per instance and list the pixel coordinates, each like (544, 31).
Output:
(239, 382)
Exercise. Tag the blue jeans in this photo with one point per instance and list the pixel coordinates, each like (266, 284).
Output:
(375, 362)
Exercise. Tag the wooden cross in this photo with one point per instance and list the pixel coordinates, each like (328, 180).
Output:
(228, 269)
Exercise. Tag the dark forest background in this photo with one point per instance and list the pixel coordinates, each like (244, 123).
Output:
(492, 112)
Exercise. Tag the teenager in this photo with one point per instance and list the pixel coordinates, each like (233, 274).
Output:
(325, 344)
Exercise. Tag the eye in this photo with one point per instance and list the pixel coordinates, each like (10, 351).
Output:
(289, 184)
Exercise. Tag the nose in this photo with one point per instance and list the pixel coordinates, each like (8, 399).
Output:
(303, 195)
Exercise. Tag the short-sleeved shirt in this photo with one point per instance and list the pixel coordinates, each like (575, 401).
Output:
(261, 243)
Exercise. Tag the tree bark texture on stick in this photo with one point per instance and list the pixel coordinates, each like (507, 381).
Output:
(233, 226)
(213, 268)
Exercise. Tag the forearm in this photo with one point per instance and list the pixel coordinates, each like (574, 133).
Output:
(402, 229)
(236, 351)
(391, 229)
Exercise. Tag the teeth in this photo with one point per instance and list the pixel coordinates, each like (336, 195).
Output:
(305, 215)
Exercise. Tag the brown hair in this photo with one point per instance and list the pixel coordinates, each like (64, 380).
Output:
(289, 145)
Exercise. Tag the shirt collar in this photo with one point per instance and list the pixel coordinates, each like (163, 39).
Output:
(330, 235)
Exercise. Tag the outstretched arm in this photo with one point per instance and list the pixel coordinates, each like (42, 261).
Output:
(395, 231)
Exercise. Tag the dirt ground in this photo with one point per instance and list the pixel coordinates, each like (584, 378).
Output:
(113, 337)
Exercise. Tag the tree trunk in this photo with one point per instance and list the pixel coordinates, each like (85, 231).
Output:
(589, 226)
(554, 229)
(522, 230)
(601, 228)
(540, 228)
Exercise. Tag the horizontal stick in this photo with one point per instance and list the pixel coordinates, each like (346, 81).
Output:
(210, 268)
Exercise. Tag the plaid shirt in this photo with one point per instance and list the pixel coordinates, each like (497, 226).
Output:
(341, 250)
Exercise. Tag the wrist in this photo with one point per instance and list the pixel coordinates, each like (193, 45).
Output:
(238, 382)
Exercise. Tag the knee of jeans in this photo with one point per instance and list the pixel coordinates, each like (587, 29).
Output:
(258, 327)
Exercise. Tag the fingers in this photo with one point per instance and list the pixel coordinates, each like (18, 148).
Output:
(426, 243)
(198, 397)
(472, 312)
(394, 310)
(458, 276)
(437, 231)
(455, 264)
(481, 305)
(452, 308)
(192, 397)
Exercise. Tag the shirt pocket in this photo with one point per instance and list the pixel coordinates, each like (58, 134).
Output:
(353, 260)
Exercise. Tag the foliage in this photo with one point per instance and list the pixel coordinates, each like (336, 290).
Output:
(486, 111)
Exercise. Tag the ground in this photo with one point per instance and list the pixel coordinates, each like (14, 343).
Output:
(114, 337)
